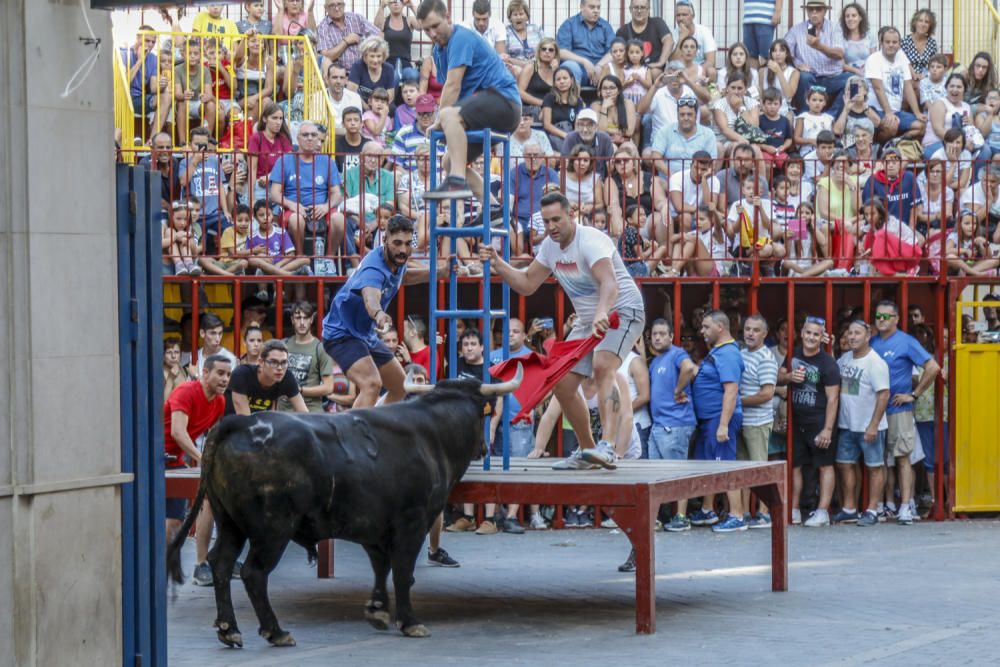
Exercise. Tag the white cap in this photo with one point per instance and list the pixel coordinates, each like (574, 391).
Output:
(587, 114)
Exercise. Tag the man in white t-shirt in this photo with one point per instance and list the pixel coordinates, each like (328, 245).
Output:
(487, 27)
(689, 189)
(686, 27)
(864, 395)
(888, 72)
(660, 101)
(340, 96)
(591, 272)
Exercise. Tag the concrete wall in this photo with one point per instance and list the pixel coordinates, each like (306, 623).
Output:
(60, 523)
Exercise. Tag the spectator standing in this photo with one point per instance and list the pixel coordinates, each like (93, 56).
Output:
(340, 33)
(308, 362)
(920, 45)
(652, 31)
(860, 41)
(161, 160)
(817, 46)
(636, 374)
(149, 90)
(174, 375)
(259, 388)
(397, 28)
(902, 352)
(759, 19)
(760, 376)
(815, 388)
(864, 395)
(584, 42)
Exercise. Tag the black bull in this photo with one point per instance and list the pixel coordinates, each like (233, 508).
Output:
(378, 477)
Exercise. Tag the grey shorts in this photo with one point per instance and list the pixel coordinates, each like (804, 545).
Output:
(617, 341)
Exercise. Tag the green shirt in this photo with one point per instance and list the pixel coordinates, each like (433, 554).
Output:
(381, 185)
(309, 364)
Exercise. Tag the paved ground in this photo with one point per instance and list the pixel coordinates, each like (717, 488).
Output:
(922, 595)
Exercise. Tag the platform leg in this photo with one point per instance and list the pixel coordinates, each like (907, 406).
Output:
(324, 566)
(774, 496)
(637, 522)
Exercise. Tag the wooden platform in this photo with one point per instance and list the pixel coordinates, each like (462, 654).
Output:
(632, 494)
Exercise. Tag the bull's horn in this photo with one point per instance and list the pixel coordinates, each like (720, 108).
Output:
(413, 388)
(504, 388)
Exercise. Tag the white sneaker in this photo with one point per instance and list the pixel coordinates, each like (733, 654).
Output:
(574, 461)
(796, 517)
(538, 523)
(905, 516)
(602, 455)
(817, 519)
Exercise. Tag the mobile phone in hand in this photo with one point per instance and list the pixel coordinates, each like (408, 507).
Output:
(546, 323)
(812, 30)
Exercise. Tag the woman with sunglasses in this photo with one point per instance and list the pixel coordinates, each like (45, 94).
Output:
(631, 185)
(615, 114)
(535, 81)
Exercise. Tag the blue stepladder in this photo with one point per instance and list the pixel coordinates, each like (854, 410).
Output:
(484, 232)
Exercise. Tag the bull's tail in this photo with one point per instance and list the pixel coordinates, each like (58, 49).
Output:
(174, 570)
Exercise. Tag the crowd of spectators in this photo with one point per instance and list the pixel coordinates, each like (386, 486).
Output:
(838, 148)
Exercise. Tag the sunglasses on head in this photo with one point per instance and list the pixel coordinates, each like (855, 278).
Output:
(817, 89)
(816, 320)
(687, 102)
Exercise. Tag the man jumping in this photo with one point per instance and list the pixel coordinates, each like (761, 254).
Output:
(479, 92)
(593, 275)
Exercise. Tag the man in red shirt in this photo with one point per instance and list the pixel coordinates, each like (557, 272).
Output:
(192, 409)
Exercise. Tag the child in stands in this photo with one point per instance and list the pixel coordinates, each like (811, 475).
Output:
(180, 243)
(810, 123)
(932, 86)
(376, 123)
(233, 246)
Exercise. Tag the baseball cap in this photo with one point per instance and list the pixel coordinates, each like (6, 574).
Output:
(425, 104)
(587, 114)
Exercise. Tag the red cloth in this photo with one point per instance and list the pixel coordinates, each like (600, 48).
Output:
(891, 255)
(542, 372)
(189, 398)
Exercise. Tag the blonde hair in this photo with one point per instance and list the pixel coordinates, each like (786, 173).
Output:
(545, 41)
(374, 42)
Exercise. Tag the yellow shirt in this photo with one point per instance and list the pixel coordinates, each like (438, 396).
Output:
(206, 25)
(232, 244)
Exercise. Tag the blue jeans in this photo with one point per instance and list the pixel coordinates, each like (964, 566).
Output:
(579, 73)
(647, 131)
(851, 445)
(758, 38)
(669, 443)
(834, 90)
(522, 440)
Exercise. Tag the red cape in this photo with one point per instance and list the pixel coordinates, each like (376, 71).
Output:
(542, 372)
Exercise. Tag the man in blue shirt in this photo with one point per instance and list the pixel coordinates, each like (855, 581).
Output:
(479, 93)
(527, 180)
(676, 143)
(201, 175)
(585, 41)
(901, 352)
(307, 184)
(716, 395)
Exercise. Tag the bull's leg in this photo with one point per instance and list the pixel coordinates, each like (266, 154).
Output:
(377, 608)
(261, 560)
(404, 558)
(222, 557)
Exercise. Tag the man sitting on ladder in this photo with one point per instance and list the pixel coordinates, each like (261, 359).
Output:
(479, 93)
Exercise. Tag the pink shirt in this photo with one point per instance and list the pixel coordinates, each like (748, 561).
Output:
(267, 152)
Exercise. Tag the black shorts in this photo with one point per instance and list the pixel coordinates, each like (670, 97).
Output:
(176, 508)
(488, 109)
(805, 451)
(346, 351)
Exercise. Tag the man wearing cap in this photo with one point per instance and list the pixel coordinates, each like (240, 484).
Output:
(675, 144)
(479, 93)
(817, 47)
(410, 136)
(658, 107)
(587, 134)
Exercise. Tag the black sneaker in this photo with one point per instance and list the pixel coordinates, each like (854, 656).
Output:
(441, 559)
(629, 564)
(453, 187)
(513, 526)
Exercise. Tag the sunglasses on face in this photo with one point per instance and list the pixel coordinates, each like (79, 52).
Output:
(882, 317)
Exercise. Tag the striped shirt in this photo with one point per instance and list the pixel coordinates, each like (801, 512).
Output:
(329, 35)
(758, 11)
(407, 140)
(831, 35)
(759, 369)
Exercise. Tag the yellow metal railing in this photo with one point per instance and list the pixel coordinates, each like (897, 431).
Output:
(300, 91)
(976, 28)
(124, 113)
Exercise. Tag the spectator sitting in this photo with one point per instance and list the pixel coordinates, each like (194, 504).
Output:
(340, 32)
(856, 110)
(641, 256)
(652, 32)
(616, 113)
(897, 187)
(696, 74)
(292, 17)
(691, 188)
(984, 199)
(780, 72)
(738, 62)
(212, 22)
(271, 249)
(702, 35)
(349, 141)
(254, 21)
(255, 75)
(982, 78)
(967, 250)
(397, 28)
(430, 84)
(490, 29)
(523, 37)
(584, 42)
(527, 180)
(859, 40)
(937, 200)
(561, 107)
(817, 46)
(948, 112)
(232, 246)
(674, 145)
(179, 242)
(863, 150)
(838, 207)
(410, 196)
(340, 96)
(582, 186)
(707, 252)
(526, 134)
(894, 248)
(818, 161)
(409, 137)
(406, 113)
(536, 228)
(308, 185)
(742, 166)
(371, 72)
(587, 134)
(637, 77)
(988, 124)
(751, 215)
(932, 84)
(366, 187)
(888, 72)
(776, 128)
(811, 122)
(201, 173)
(271, 140)
(957, 160)
(376, 124)
(807, 244)
(920, 46)
(536, 79)
(658, 107)
(192, 90)
(630, 184)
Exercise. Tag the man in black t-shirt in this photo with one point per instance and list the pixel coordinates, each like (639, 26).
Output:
(348, 145)
(652, 31)
(258, 388)
(815, 396)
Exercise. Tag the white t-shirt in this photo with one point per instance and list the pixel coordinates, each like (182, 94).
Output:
(860, 380)
(691, 192)
(495, 31)
(893, 76)
(350, 99)
(812, 125)
(932, 205)
(571, 267)
(641, 416)
(706, 42)
(733, 217)
(753, 85)
(663, 107)
(974, 195)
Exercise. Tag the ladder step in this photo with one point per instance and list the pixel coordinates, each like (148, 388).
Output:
(470, 313)
(464, 232)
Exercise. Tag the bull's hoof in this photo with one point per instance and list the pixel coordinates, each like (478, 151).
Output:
(278, 638)
(418, 630)
(380, 620)
(231, 639)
